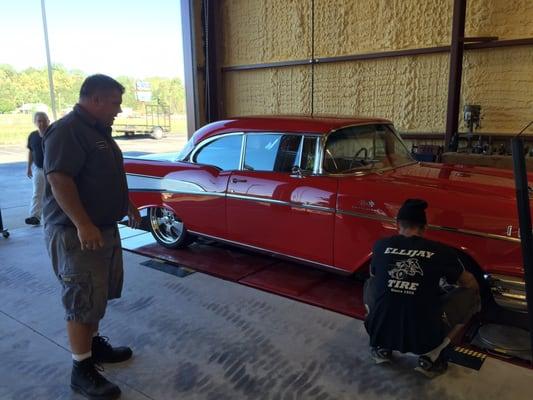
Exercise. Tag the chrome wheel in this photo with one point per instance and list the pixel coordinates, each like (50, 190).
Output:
(167, 229)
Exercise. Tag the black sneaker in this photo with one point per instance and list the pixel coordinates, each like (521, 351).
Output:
(432, 368)
(32, 221)
(380, 355)
(103, 352)
(87, 380)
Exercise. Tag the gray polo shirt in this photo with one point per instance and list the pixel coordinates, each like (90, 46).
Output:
(78, 146)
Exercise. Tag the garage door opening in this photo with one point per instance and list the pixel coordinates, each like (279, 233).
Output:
(140, 45)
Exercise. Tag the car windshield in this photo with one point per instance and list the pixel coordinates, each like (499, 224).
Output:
(184, 153)
(362, 148)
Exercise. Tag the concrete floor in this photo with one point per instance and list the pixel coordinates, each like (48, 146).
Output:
(199, 337)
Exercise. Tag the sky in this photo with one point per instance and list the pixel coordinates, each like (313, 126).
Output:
(138, 38)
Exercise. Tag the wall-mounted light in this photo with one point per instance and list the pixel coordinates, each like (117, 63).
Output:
(472, 116)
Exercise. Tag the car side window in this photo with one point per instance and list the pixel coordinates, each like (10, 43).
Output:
(365, 147)
(308, 153)
(224, 153)
(271, 152)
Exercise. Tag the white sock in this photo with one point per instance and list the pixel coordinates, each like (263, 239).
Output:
(81, 357)
(434, 354)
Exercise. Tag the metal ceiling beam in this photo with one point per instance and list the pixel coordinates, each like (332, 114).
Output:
(477, 44)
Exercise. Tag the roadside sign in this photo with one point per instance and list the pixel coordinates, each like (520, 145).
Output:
(142, 85)
(143, 96)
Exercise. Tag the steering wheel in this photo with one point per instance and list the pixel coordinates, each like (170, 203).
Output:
(356, 156)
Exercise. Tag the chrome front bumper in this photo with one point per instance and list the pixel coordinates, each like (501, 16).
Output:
(508, 291)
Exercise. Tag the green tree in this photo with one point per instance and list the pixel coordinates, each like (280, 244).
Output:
(128, 99)
(8, 101)
(168, 91)
(31, 86)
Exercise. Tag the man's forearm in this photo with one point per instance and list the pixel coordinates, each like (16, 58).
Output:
(66, 194)
(467, 280)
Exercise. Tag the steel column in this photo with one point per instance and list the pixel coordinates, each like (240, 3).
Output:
(524, 216)
(456, 70)
(190, 63)
(211, 71)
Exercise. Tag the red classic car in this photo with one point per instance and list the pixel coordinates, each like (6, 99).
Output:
(322, 191)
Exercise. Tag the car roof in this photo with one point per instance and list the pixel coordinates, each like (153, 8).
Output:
(297, 124)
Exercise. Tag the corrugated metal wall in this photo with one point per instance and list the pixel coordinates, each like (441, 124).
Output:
(410, 90)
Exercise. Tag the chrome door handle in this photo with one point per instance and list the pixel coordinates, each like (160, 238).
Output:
(236, 180)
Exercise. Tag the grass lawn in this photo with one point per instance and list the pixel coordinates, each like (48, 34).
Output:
(15, 128)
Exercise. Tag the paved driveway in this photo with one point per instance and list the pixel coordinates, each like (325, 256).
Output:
(15, 187)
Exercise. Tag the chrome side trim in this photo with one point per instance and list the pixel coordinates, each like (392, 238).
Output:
(270, 252)
(259, 199)
(474, 233)
(201, 145)
(242, 157)
(367, 216)
(434, 227)
(170, 192)
(146, 190)
(282, 203)
(146, 183)
(143, 175)
(215, 194)
(318, 157)
(300, 151)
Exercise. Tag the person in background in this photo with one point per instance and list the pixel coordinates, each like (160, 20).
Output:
(35, 167)
(408, 311)
(86, 194)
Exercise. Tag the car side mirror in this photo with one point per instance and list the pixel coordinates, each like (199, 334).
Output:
(297, 172)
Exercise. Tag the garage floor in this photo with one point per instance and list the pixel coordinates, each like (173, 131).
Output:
(199, 337)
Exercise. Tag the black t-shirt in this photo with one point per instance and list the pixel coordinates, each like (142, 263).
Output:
(407, 313)
(35, 145)
(78, 146)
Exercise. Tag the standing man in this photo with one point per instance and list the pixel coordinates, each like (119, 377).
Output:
(85, 196)
(408, 311)
(35, 167)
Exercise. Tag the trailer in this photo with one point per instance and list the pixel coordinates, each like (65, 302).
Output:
(157, 123)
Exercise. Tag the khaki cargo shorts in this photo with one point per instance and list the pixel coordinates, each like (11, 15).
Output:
(88, 278)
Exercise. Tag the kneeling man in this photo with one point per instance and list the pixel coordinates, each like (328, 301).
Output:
(407, 309)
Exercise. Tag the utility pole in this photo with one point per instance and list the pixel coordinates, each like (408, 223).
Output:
(49, 63)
